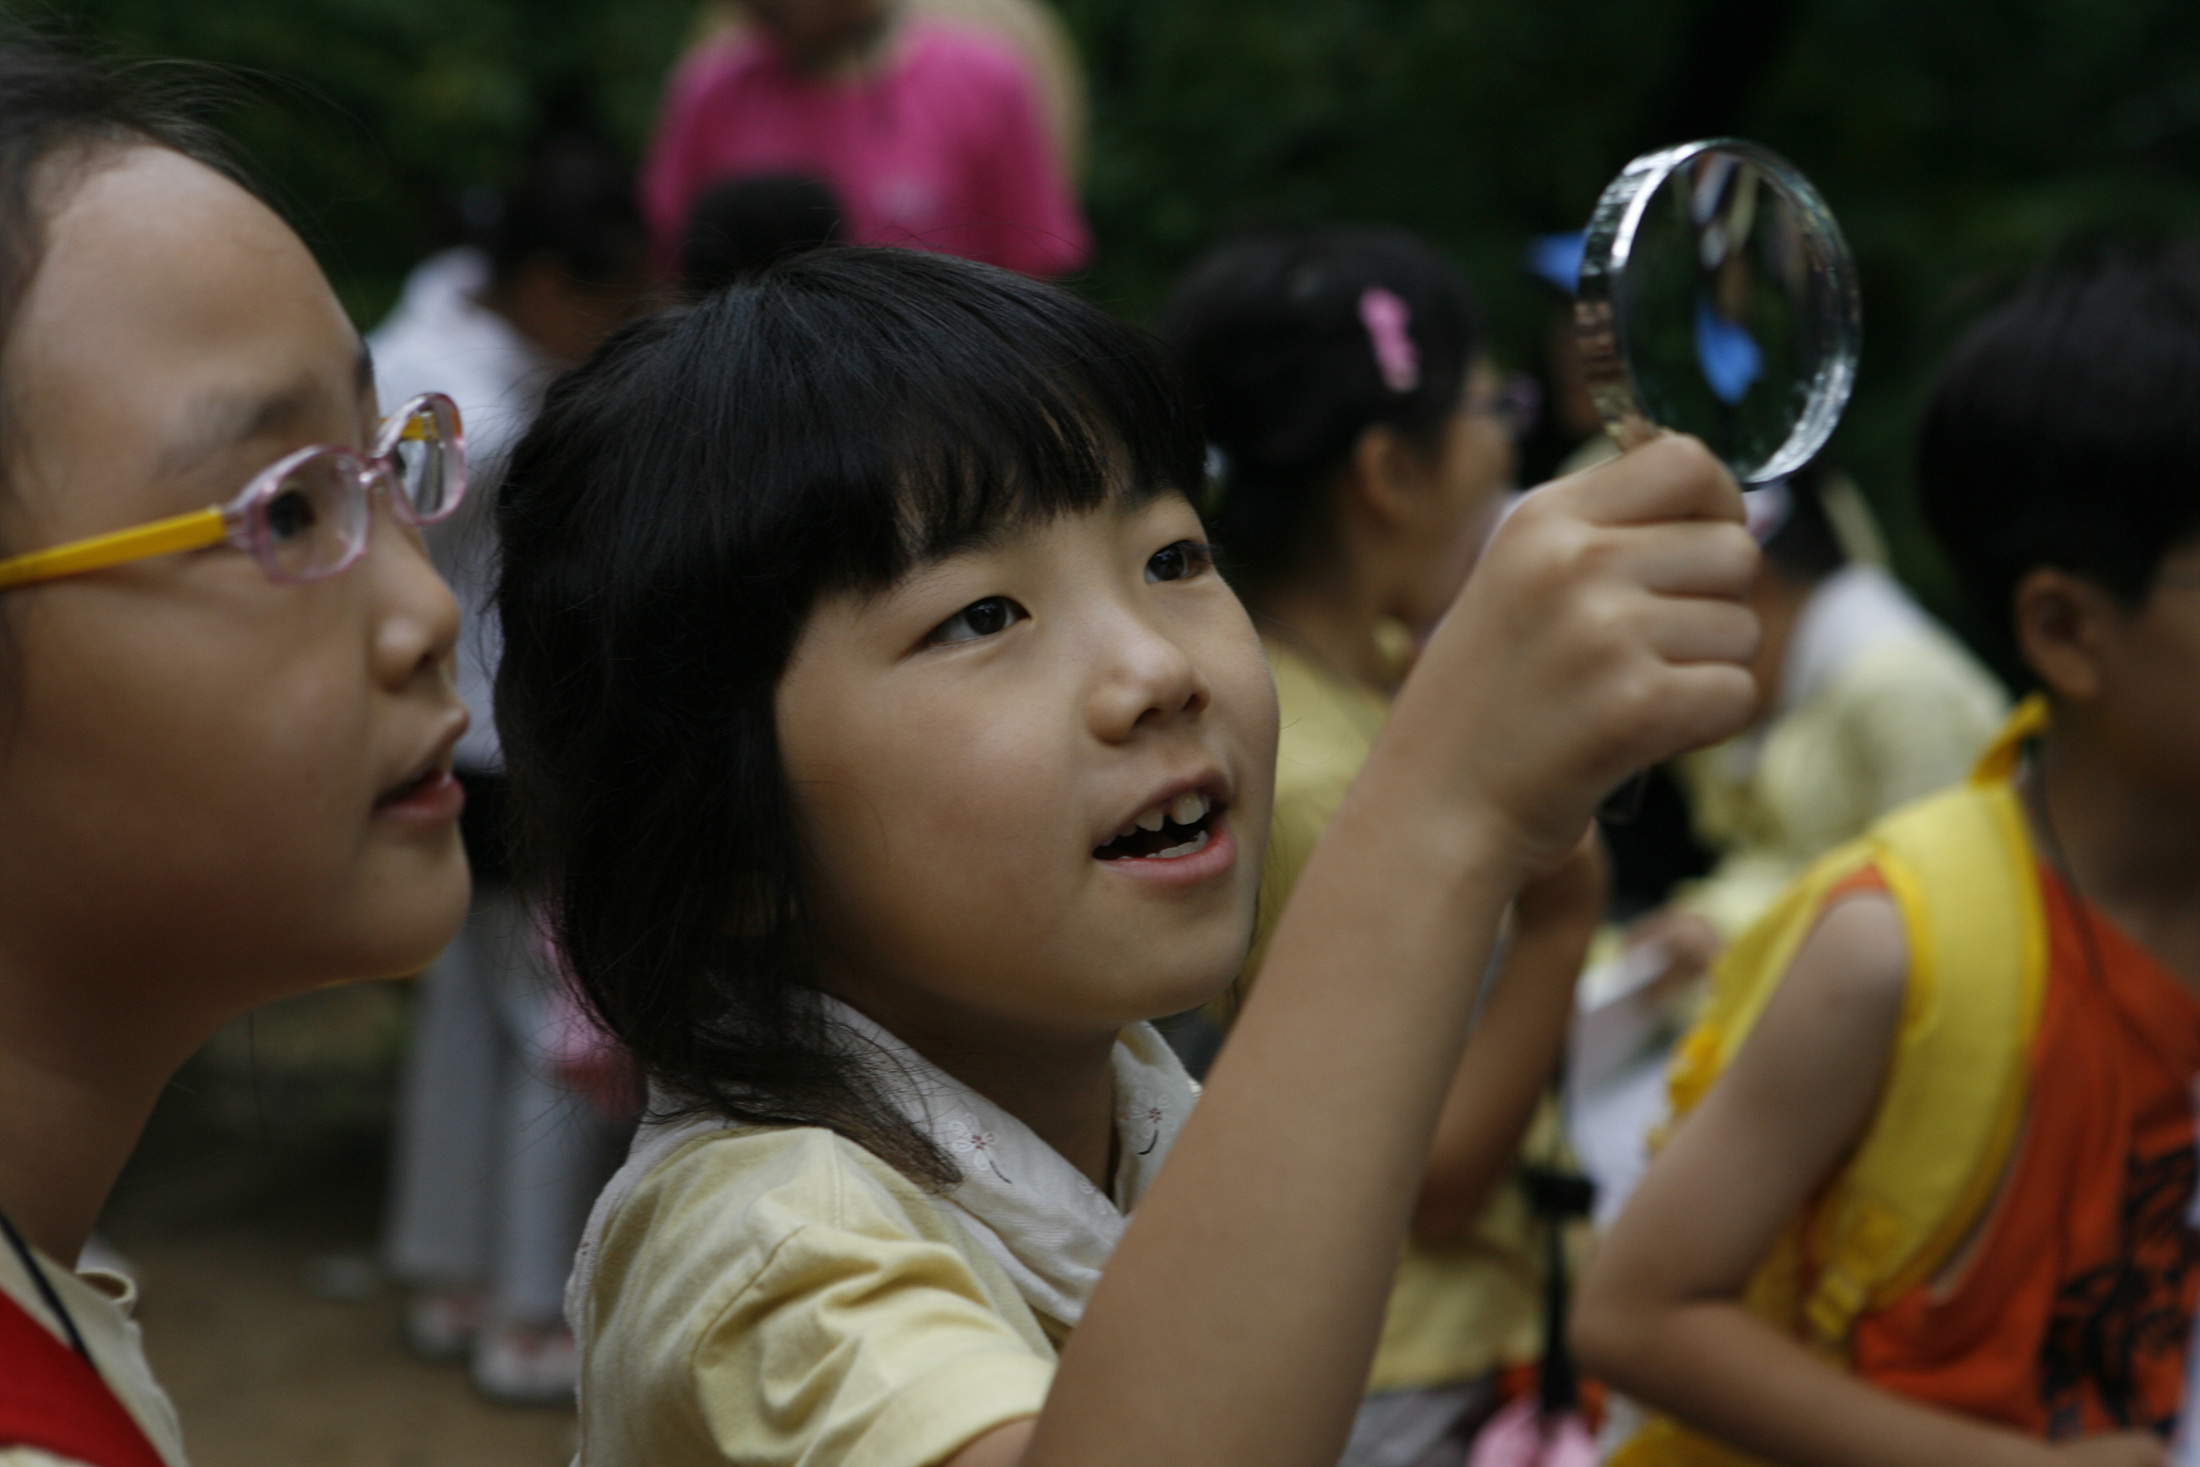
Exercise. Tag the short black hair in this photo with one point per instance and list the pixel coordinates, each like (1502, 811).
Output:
(667, 524)
(739, 226)
(2064, 431)
(1269, 325)
(573, 205)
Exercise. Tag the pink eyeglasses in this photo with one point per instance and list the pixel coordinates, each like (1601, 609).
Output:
(304, 517)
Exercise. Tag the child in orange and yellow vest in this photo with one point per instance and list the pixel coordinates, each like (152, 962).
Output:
(1932, 1199)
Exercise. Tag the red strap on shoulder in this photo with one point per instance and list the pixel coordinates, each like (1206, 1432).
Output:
(51, 1399)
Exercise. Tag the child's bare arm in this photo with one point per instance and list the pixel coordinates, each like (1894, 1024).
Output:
(1602, 631)
(1513, 1055)
(1660, 1315)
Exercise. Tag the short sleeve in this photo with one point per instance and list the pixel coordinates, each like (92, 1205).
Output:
(783, 1298)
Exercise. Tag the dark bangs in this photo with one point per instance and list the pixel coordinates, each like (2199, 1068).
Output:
(668, 523)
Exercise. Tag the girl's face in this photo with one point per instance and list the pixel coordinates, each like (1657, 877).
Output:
(1467, 480)
(968, 750)
(212, 785)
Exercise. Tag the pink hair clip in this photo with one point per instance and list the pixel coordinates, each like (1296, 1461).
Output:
(1396, 357)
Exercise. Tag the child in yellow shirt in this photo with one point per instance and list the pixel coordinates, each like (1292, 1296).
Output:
(896, 750)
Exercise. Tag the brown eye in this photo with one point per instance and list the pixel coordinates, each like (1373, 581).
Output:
(291, 515)
(1180, 562)
(978, 619)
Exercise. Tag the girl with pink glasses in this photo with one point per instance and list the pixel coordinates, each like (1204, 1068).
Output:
(224, 680)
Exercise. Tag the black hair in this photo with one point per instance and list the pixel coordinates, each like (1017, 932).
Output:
(1806, 548)
(743, 224)
(574, 206)
(2062, 432)
(1270, 326)
(669, 521)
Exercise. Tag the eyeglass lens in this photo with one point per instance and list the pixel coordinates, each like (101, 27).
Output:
(316, 518)
(427, 469)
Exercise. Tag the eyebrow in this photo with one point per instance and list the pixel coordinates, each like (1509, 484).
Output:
(223, 419)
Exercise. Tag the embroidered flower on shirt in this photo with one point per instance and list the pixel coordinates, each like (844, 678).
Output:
(965, 1138)
(1152, 1118)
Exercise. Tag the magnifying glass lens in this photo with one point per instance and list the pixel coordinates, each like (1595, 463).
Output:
(1718, 299)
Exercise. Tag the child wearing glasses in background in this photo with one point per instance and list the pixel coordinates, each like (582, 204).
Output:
(893, 750)
(225, 680)
(1361, 446)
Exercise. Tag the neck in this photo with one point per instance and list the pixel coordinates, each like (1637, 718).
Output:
(1060, 1085)
(856, 53)
(1330, 616)
(2127, 847)
(76, 1088)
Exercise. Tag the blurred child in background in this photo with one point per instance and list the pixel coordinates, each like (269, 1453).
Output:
(1361, 445)
(225, 672)
(929, 130)
(496, 1160)
(1868, 703)
(1932, 1201)
(738, 227)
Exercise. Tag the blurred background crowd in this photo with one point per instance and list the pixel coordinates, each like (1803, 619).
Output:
(492, 182)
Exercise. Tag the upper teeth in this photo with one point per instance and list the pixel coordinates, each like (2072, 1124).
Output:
(1184, 810)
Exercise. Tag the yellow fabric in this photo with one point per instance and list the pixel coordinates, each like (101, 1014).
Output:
(1899, 721)
(102, 1305)
(1328, 729)
(1457, 1311)
(782, 1296)
(1960, 869)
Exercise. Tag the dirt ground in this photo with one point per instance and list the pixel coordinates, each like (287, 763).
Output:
(249, 1215)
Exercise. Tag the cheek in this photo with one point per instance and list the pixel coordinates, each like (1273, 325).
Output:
(949, 822)
(1245, 705)
(181, 766)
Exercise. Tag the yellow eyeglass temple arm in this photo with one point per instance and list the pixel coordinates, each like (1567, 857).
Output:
(193, 531)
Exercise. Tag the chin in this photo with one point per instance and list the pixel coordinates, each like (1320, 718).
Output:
(405, 936)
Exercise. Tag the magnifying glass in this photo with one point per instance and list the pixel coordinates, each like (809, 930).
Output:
(1718, 298)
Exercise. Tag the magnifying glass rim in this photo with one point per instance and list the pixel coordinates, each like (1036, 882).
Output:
(1602, 331)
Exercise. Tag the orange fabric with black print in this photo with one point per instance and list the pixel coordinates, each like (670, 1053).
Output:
(2075, 1313)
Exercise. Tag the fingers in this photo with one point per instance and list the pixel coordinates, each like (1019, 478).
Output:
(1698, 629)
(1689, 558)
(1673, 477)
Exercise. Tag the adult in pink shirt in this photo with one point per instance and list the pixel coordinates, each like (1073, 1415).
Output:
(930, 132)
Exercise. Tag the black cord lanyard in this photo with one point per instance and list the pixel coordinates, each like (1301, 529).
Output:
(45, 1291)
(2087, 940)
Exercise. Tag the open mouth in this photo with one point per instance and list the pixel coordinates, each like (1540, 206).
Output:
(432, 775)
(1181, 827)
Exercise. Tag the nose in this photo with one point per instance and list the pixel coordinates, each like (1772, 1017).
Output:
(416, 618)
(1142, 678)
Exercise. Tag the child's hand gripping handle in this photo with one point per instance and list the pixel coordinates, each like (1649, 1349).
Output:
(1604, 631)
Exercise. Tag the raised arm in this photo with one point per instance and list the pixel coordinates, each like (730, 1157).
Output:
(1513, 1055)
(1660, 1313)
(1602, 632)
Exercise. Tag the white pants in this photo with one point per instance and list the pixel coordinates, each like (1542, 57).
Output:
(496, 1161)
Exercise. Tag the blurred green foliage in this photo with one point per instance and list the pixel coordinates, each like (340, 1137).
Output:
(1959, 141)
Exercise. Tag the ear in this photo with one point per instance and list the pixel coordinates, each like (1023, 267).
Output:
(1383, 476)
(2062, 625)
